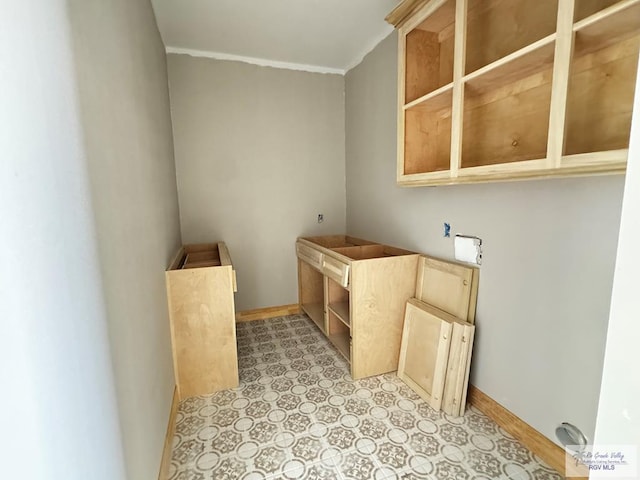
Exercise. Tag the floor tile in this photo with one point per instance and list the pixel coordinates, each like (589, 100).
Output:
(297, 414)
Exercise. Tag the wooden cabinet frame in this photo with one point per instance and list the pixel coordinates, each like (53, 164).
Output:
(200, 284)
(356, 294)
(530, 104)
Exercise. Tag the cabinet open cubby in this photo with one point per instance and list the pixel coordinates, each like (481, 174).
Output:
(427, 136)
(339, 335)
(338, 301)
(506, 109)
(497, 28)
(429, 53)
(602, 79)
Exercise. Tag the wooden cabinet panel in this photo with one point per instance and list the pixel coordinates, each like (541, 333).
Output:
(449, 286)
(424, 353)
(202, 320)
(380, 289)
(457, 378)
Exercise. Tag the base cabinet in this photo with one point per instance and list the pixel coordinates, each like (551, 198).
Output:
(200, 286)
(355, 291)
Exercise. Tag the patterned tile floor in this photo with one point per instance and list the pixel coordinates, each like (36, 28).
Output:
(297, 414)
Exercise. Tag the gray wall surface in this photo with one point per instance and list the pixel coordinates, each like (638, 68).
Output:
(58, 411)
(259, 153)
(549, 252)
(124, 101)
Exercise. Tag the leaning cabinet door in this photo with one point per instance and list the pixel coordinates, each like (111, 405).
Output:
(424, 352)
(449, 286)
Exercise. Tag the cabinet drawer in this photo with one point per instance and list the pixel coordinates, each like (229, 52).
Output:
(336, 270)
(310, 255)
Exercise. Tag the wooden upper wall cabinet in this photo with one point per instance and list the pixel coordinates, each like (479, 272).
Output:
(493, 90)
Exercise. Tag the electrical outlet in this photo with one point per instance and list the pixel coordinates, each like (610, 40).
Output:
(320, 218)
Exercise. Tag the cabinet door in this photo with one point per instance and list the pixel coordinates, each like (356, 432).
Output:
(448, 286)
(457, 379)
(424, 351)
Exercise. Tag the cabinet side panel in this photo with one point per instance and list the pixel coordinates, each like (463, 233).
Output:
(422, 64)
(311, 293)
(380, 289)
(447, 286)
(203, 325)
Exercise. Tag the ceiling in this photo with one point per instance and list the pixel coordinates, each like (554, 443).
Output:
(316, 35)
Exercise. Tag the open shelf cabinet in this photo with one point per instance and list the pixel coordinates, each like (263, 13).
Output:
(492, 90)
(359, 289)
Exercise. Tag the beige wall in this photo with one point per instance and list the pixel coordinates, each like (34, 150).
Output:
(549, 252)
(259, 153)
(121, 68)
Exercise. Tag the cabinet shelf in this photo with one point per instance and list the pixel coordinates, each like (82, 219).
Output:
(433, 101)
(592, 11)
(340, 334)
(607, 27)
(341, 310)
(338, 297)
(524, 63)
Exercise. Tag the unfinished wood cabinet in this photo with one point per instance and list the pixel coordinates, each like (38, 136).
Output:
(435, 356)
(493, 90)
(424, 352)
(451, 287)
(200, 286)
(355, 291)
